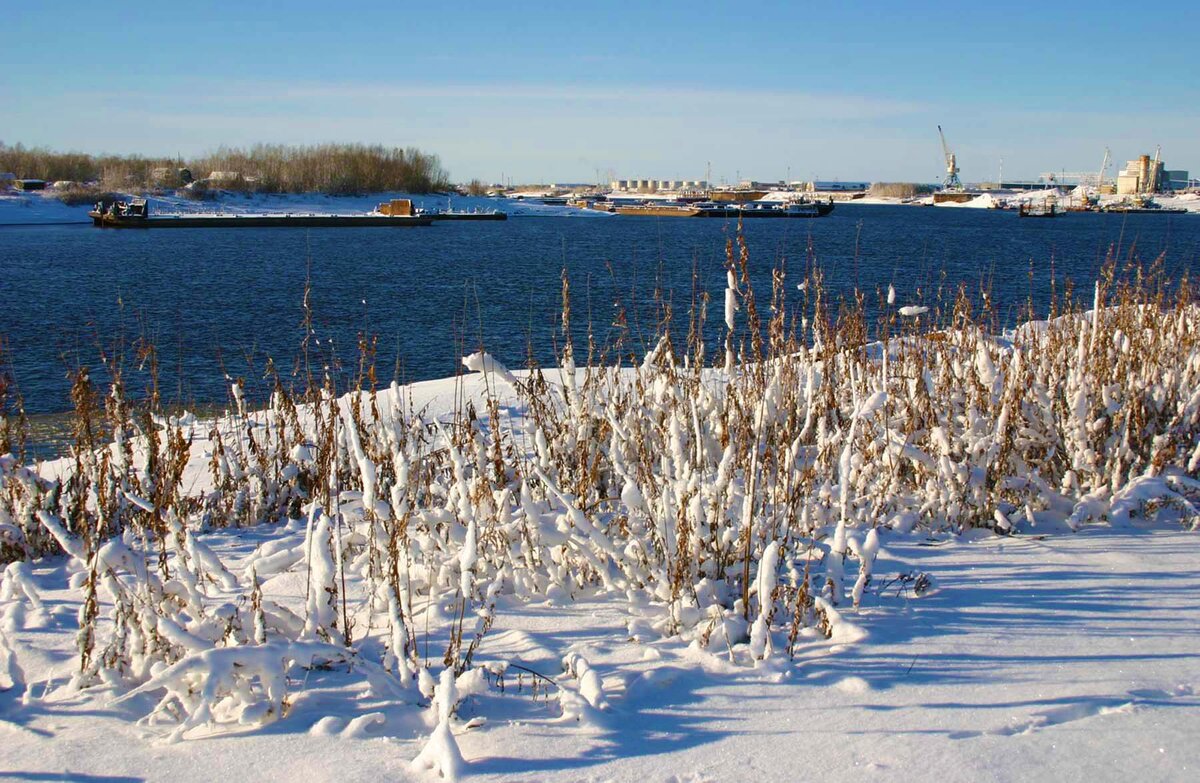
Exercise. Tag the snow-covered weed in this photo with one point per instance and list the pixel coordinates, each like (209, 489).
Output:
(741, 501)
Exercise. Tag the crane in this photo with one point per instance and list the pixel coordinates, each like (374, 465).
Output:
(1151, 184)
(1103, 168)
(952, 181)
(1085, 178)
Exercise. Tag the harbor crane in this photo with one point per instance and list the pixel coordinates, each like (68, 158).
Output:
(1103, 168)
(1084, 178)
(952, 181)
(1151, 184)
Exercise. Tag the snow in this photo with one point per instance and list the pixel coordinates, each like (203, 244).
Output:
(1031, 660)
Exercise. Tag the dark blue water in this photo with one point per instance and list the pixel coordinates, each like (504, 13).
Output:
(219, 302)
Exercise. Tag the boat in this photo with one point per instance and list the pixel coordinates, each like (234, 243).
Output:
(136, 214)
(597, 203)
(1047, 211)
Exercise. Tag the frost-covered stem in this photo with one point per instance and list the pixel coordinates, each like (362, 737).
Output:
(731, 307)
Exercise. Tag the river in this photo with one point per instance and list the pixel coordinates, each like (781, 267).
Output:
(219, 302)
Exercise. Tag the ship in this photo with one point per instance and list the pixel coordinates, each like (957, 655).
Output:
(136, 214)
(1046, 211)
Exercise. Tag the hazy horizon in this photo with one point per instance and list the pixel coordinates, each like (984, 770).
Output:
(580, 93)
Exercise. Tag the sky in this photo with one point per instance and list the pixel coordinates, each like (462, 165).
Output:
(575, 91)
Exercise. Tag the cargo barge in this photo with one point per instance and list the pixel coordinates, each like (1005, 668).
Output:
(454, 214)
(712, 209)
(136, 214)
(1148, 209)
(403, 206)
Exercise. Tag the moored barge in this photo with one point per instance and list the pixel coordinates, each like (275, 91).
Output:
(136, 214)
(713, 209)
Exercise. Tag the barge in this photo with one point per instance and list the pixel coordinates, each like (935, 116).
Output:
(136, 214)
(658, 210)
(1146, 209)
(713, 209)
(403, 206)
(799, 209)
(456, 214)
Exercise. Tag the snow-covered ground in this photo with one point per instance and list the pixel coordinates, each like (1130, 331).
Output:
(1188, 201)
(1056, 657)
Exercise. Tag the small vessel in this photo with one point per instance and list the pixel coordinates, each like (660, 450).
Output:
(136, 214)
(597, 203)
(1045, 211)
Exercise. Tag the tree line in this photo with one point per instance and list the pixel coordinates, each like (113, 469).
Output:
(267, 168)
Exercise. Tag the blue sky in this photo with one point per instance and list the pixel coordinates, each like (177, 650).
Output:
(558, 91)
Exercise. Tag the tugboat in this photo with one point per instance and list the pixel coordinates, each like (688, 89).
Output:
(1047, 211)
(112, 213)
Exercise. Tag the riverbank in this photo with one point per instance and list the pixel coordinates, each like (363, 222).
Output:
(42, 208)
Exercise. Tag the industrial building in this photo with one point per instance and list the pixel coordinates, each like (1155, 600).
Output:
(1178, 179)
(1149, 175)
(656, 185)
